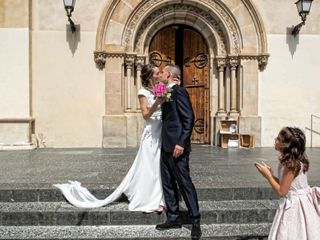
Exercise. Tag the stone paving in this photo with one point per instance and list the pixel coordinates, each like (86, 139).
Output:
(211, 167)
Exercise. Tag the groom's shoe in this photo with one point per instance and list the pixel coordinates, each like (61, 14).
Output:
(168, 225)
(196, 231)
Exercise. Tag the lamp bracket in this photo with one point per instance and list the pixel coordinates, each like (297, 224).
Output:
(295, 31)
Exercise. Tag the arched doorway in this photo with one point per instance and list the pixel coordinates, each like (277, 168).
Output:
(186, 47)
(237, 47)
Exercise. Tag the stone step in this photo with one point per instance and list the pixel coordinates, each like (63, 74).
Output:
(209, 232)
(204, 194)
(62, 213)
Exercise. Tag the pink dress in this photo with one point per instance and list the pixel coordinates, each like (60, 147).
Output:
(298, 214)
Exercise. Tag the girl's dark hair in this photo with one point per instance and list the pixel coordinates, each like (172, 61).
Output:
(293, 149)
(146, 74)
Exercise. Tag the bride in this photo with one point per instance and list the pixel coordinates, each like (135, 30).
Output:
(142, 184)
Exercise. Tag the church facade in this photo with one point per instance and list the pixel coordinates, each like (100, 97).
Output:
(239, 62)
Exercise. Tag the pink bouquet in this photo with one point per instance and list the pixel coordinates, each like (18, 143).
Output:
(161, 90)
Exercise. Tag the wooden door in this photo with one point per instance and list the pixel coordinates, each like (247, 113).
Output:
(162, 48)
(186, 47)
(196, 77)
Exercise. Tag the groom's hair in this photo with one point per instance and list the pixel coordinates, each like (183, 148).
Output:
(174, 70)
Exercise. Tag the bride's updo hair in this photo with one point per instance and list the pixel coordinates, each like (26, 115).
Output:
(293, 146)
(146, 74)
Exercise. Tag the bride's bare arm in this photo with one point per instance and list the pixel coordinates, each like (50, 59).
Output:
(147, 112)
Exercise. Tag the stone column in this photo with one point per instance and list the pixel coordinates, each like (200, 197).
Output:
(130, 102)
(221, 93)
(139, 63)
(233, 62)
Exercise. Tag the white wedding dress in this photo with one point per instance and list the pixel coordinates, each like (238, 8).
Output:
(142, 184)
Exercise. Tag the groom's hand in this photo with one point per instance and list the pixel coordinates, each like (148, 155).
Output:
(178, 151)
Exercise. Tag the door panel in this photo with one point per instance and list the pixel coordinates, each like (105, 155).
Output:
(195, 72)
(186, 47)
(162, 48)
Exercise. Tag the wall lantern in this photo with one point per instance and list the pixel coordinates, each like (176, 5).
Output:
(69, 7)
(303, 7)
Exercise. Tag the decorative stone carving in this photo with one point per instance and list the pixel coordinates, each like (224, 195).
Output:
(101, 56)
(129, 60)
(221, 61)
(140, 60)
(100, 59)
(187, 6)
(233, 61)
(214, 13)
(263, 61)
(116, 54)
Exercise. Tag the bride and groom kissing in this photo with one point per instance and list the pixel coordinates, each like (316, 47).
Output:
(161, 165)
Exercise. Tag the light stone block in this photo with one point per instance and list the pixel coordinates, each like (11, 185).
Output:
(121, 13)
(14, 73)
(14, 134)
(14, 14)
(132, 130)
(251, 125)
(115, 31)
(250, 88)
(114, 131)
(113, 104)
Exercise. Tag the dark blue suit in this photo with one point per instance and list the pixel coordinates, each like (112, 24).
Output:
(178, 121)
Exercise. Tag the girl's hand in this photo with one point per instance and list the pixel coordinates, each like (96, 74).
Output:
(264, 169)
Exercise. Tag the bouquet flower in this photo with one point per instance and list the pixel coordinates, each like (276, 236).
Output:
(161, 90)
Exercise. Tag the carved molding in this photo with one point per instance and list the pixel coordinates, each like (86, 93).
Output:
(233, 60)
(140, 20)
(258, 23)
(100, 59)
(221, 61)
(174, 10)
(140, 60)
(263, 61)
(129, 58)
(215, 14)
(104, 22)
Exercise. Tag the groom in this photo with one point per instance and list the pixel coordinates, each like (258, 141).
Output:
(177, 124)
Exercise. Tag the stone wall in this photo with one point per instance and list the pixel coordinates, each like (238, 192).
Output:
(49, 74)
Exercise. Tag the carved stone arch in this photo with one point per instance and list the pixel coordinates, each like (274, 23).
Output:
(259, 26)
(219, 17)
(125, 31)
(104, 22)
(214, 40)
(229, 28)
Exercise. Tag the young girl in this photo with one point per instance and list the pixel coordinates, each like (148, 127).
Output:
(298, 215)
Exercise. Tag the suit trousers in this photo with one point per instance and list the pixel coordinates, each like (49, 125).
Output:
(176, 171)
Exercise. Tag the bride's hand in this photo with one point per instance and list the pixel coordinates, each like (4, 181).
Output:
(160, 101)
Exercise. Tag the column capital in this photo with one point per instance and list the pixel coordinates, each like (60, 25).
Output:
(221, 62)
(129, 60)
(233, 61)
(140, 60)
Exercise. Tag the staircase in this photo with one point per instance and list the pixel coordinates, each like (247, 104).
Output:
(227, 213)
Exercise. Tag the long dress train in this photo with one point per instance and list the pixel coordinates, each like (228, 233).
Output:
(142, 184)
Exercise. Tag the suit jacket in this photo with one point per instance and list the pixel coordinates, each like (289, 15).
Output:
(177, 120)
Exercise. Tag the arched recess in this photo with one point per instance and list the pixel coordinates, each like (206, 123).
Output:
(122, 48)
